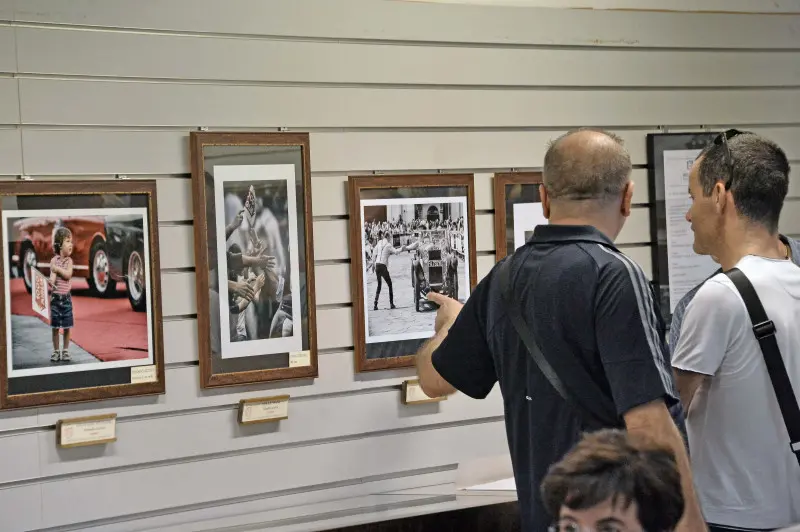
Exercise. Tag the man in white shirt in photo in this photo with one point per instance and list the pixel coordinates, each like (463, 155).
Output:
(746, 474)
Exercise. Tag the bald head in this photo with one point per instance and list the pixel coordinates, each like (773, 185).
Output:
(586, 164)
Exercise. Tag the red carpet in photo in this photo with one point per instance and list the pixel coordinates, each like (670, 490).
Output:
(107, 328)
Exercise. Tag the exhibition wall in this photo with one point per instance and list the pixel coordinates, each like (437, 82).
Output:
(92, 90)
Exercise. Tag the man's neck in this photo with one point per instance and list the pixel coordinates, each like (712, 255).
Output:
(598, 223)
(750, 241)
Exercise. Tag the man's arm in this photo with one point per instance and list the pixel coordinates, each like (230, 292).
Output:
(653, 421)
(706, 333)
(457, 357)
(633, 355)
(234, 225)
(688, 383)
(430, 381)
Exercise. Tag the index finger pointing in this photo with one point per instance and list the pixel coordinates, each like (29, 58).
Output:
(437, 298)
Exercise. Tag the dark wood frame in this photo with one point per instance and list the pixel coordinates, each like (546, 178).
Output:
(96, 393)
(197, 141)
(501, 180)
(358, 183)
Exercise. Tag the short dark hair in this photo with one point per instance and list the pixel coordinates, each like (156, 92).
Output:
(61, 234)
(758, 176)
(597, 173)
(615, 465)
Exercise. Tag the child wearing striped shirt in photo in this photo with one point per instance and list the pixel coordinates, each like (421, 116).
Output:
(60, 297)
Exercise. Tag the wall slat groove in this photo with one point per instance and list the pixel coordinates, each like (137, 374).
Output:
(399, 21)
(50, 101)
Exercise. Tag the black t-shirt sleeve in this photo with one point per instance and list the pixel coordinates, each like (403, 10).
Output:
(632, 351)
(463, 359)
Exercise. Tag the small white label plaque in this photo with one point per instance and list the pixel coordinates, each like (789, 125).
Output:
(263, 409)
(94, 430)
(299, 359)
(140, 374)
(413, 394)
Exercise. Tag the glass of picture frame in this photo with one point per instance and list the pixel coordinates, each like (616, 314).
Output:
(409, 234)
(676, 267)
(254, 258)
(81, 292)
(517, 210)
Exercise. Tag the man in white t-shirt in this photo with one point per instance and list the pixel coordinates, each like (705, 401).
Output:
(746, 475)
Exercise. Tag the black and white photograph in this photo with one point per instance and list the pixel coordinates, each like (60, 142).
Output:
(410, 248)
(259, 278)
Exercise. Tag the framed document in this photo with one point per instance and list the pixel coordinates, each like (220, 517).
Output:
(253, 256)
(676, 267)
(409, 235)
(81, 301)
(517, 210)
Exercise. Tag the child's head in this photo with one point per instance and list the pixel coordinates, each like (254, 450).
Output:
(62, 242)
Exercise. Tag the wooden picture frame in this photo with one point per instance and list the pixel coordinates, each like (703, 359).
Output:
(263, 181)
(512, 188)
(445, 230)
(112, 230)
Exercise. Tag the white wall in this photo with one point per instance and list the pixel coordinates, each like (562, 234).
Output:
(90, 89)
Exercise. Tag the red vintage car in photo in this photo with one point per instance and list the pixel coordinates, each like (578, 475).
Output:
(106, 250)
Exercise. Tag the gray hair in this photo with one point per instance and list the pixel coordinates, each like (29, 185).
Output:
(584, 169)
(758, 177)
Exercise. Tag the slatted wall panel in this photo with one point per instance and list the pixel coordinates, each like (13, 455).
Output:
(92, 89)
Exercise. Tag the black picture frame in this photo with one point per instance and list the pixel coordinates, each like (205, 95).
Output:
(657, 144)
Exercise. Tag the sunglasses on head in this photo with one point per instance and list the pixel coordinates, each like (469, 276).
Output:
(722, 140)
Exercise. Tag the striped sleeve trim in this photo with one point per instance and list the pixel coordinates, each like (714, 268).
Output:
(647, 314)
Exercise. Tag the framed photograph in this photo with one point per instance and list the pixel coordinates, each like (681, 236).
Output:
(676, 267)
(254, 259)
(81, 292)
(517, 210)
(409, 235)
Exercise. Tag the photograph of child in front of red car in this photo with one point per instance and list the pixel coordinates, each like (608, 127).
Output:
(76, 290)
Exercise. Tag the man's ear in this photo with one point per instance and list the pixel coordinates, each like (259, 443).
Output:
(627, 199)
(545, 201)
(721, 198)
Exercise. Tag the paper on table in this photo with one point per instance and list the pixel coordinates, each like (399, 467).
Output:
(506, 484)
(686, 268)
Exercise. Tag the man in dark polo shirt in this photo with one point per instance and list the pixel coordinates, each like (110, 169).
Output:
(593, 308)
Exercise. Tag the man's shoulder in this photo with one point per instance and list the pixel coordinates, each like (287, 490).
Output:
(614, 265)
(716, 294)
(687, 298)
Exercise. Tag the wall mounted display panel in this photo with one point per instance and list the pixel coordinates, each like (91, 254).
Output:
(253, 257)
(409, 235)
(81, 301)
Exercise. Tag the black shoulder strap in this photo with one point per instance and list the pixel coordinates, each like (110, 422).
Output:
(764, 330)
(600, 412)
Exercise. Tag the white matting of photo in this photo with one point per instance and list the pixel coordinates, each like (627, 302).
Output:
(11, 215)
(255, 174)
